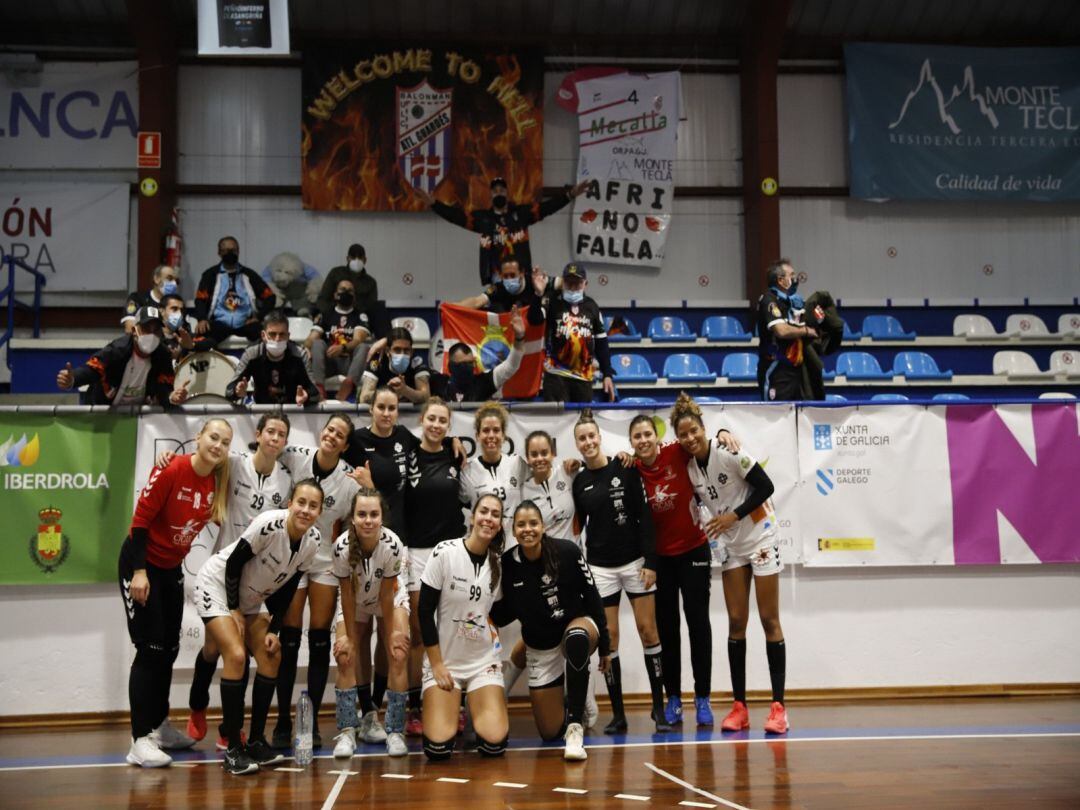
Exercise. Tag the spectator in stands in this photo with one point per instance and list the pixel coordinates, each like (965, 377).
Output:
(404, 373)
(467, 383)
(340, 339)
(782, 332)
(503, 228)
(512, 289)
(134, 369)
(231, 299)
(279, 368)
(574, 337)
(166, 282)
(365, 288)
(174, 328)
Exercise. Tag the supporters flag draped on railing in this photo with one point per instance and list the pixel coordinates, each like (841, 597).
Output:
(491, 337)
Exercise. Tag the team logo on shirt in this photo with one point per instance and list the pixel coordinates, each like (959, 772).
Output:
(51, 546)
(329, 502)
(560, 485)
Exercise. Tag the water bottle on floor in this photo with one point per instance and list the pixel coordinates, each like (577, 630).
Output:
(305, 720)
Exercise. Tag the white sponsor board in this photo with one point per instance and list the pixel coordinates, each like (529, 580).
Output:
(243, 27)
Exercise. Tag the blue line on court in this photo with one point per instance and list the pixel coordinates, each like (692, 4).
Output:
(704, 735)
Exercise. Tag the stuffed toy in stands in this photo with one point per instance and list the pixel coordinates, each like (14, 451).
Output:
(295, 284)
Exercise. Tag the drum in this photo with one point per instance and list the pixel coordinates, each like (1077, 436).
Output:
(207, 374)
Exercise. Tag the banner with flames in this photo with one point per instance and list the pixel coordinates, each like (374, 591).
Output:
(379, 122)
(940, 122)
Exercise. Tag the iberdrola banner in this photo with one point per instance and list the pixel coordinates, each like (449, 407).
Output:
(627, 125)
(65, 484)
(939, 122)
(382, 120)
(491, 336)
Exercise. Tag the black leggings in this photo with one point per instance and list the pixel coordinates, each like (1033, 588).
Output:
(690, 573)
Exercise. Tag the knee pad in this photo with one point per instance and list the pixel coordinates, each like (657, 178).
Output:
(438, 751)
(290, 639)
(319, 643)
(491, 749)
(576, 647)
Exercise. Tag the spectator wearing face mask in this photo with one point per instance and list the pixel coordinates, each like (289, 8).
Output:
(512, 289)
(339, 341)
(166, 282)
(279, 370)
(175, 335)
(365, 287)
(396, 368)
(466, 383)
(134, 369)
(231, 299)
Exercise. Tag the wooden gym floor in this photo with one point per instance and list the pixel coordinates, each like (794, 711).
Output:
(947, 753)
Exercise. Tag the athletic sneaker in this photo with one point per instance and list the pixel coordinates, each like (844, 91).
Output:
(145, 753)
(262, 753)
(592, 711)
(737, 719)
(370, 729)
(575, 745)
(223, 741)
(673, 711)
(662, 725)
(282, 739)
(703, 711)
(414, 726)
(345, 746)
(616, 726)
(237, 762)
(777, 722)
(396, 745)
(169, 738)
(316, 738)
(196, 724)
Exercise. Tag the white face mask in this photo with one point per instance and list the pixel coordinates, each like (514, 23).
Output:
(275, 348)
(147, 343)
(356, 265)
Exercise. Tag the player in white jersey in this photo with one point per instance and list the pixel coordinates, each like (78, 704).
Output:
(371, 563)
(318, 588)
(735, 490)
(460, 584)
(263, 566)
(492, 472)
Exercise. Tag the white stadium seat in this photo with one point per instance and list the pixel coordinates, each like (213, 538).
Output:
(417, 327)
(1018, 365)
(299, 328)
(1056, 395)
(1026, 326)
(975, 327)
(1069, 324)
(1066, 363)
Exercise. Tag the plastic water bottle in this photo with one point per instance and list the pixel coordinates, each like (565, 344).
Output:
(305, 719)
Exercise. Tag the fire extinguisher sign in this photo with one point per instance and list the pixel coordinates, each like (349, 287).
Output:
(149, 150)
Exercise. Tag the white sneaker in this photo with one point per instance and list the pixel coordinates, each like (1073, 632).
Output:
(592, 711)
(395, 744)
(345, 746)
(371, 730)
(170, 738)
(575, 744)
(145, 753)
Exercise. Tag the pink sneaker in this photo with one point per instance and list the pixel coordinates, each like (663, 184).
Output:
(777, 722)
(196, 724)
(737, 719)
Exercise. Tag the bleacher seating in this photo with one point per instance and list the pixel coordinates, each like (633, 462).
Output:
(885, 327)
(1018, 366)
(632, 368)
(860, 366)
(975, 327)
(637, 401)
(890, 397)
(1069, 324)
(708, 400)
(299, 328)
(1066, 362)
(686, 367)
(724, 327)
(948, 397)
(740, 367)
(418, 328)
(835, 398)
(670, 328)
(919, 366)
(1056, 395)
(632, 332)
(1026, 326)
(848, 334)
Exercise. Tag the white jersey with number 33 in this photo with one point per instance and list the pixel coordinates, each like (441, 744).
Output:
(722, 486)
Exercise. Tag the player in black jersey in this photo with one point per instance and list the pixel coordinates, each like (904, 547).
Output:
(548, 587)
(620, 543)
(432, 514)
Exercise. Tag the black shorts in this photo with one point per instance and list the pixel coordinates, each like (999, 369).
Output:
(558, 388)
(157, 623)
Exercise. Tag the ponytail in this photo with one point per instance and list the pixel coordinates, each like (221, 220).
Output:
(355, 558)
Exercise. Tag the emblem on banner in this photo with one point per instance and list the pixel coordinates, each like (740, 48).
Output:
(50, 548)
(423, 134)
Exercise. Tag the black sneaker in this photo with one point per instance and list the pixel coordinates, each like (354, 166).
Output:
(662, 725)
(316, 739)
(282, 739)
(238, 762)
(262, 753)
(616, 726)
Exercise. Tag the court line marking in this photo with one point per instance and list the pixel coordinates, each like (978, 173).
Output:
(397, 776)
(454, 780)
(688, 803)
(515, 785)
(335, 791)
(290, 770)
(657, 744)
(631, 797)
(345, 772)
(575, 791)
(699, 791)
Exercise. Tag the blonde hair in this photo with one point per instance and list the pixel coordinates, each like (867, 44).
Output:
(430, 403)
(685, 408)
(586, 418)
(220, 508)
(491, 408)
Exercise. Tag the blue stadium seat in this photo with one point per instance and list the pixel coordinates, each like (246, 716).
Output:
(632, 368)
(860, 366)
(632, 332)
(708, 400)
(637, 401)
(740, 367)
(888, 398)
(688, 368)
(919, 366)
(951, 398)
(670, 328)
(835, 398)
(724, 327)
(885, 327)
(849, 335)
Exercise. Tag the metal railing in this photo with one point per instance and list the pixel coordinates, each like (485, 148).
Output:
(8, 294)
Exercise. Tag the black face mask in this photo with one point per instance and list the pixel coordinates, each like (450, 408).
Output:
(230, 259)
(499, 201)
(461, 374)
(345, 299)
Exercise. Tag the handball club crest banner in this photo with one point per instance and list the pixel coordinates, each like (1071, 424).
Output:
(379, 122)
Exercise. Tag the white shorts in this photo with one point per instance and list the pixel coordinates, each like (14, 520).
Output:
(471, 677)
(609, 581)
(418, 560)
(210, 602)
(547, 666)
(762, 555)
(322, 577)
(365, 612)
